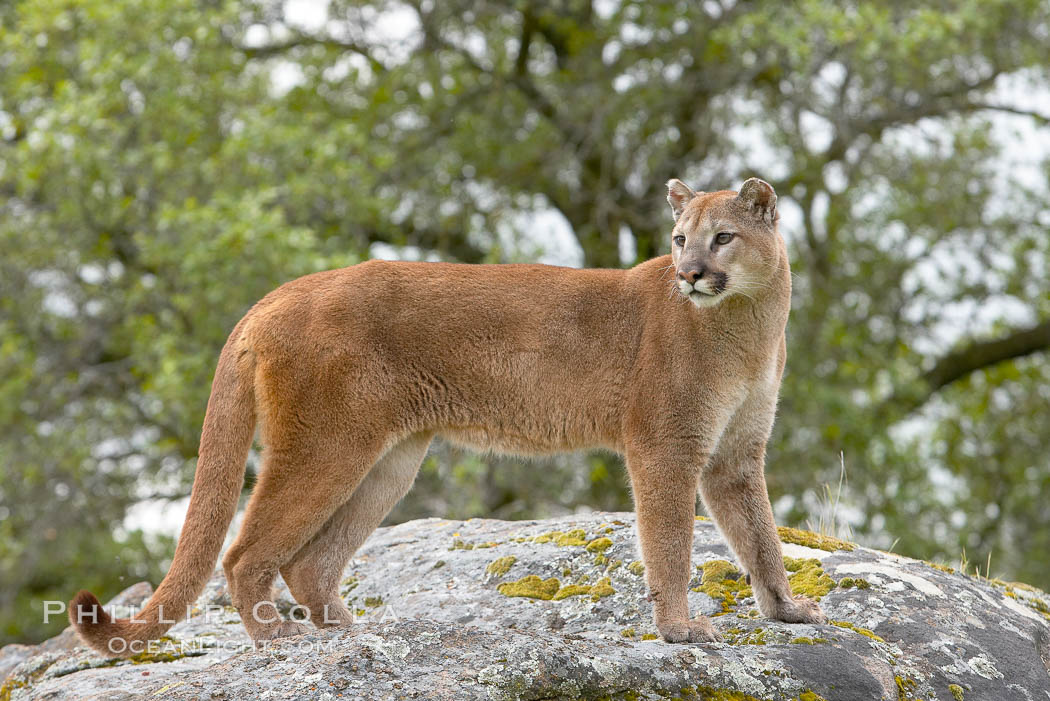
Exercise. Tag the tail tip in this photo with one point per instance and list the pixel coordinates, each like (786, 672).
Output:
(85, 609)
(93, 625)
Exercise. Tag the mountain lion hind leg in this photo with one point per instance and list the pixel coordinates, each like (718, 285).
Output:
(314, 573)
(300, 487)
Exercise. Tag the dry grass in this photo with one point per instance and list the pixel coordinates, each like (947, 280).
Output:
(828, 522)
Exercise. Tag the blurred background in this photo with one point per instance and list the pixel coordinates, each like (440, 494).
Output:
(165, 163)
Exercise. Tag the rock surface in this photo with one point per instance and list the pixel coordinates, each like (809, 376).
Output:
(441, 616)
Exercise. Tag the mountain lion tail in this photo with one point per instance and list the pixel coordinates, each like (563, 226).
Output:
(229, 427)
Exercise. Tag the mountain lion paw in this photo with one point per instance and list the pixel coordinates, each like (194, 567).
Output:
(800, 610)
(284, 629)
(698, 630)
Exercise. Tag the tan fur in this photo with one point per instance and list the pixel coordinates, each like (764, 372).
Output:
(675, 363)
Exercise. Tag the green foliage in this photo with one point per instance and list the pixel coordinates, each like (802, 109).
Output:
(137, 229)
(165, 163)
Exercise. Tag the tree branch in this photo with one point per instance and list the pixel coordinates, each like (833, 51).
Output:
(1041, 119)
(528, 25)
(982, 354)
(306, 40)
(975, 356)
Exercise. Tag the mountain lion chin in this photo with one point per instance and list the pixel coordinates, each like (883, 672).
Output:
(705, 300)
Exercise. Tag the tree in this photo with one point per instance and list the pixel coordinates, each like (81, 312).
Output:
(140, 220)
(881, 127)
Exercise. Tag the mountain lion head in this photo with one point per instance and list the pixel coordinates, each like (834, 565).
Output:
(723, 243)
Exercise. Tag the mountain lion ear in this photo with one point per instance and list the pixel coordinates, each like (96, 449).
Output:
(757, 196)
(678, 196)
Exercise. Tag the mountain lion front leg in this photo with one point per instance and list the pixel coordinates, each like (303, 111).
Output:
(733, 488)
(664, 489)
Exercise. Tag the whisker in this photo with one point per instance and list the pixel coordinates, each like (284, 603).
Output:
(775, 266)
(754, 285)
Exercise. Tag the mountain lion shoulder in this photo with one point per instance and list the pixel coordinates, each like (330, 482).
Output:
(349, 374)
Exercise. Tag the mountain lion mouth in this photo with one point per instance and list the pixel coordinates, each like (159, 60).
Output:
(705, 299)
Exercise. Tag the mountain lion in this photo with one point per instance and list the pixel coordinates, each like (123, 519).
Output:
(675, 364)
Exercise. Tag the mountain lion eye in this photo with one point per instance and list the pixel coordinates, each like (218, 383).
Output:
(679, 240)
(723, 238)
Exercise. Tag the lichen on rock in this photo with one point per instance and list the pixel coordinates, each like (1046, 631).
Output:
(596, 591)
(501, 566)
(724, 582)
(599, 545)
(531, 587)
(575, 537)
(813, 540)
(808, 578)
(857, 629)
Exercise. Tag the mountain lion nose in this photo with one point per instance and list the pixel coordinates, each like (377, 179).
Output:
(693, 275)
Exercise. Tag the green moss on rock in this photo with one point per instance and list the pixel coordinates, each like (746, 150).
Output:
(812, 540)
(956, 692)
(758, 636)
(854, 583)
(599, 545)
(1038, 605)
(808, 578)
(571, 590)
(575, 537)
(1026, 587)
(154, 657)
(708, 693)
(856, 629)
(531, 587)
(723, 582)
(500, 567)
(636, 568)
(601, 588)
(718, 570)
(11, 685)
(905, 687)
